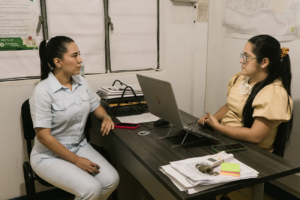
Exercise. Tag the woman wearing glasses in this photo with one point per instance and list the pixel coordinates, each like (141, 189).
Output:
(259, 106)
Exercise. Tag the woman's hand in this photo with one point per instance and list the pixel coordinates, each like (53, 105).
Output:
(201, 121)
(107, 125)
(211, 120)
(86, 165)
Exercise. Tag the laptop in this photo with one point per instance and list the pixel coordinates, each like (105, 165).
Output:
(161, 102)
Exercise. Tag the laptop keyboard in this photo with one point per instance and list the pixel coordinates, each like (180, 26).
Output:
(197, 131)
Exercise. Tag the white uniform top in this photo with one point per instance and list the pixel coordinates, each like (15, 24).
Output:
(64, 111)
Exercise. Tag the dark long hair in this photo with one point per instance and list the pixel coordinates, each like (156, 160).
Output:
(56, 47)
(265, 46)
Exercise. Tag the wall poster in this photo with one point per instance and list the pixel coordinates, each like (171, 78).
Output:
(279, 18)
(18, 22)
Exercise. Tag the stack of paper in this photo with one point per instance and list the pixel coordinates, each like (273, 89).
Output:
(142, 118)
(230, 169)
(111, 92)
(188, 178)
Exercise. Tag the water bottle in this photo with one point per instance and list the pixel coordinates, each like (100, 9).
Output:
(82, 70)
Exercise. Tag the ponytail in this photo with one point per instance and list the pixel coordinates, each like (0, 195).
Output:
(45, 69)
(286, 73)
(265, 46)
(55, 48)
(282, 139)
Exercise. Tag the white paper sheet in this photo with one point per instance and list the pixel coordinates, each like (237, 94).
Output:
(194, 177)
(18, 24)
(279, 18)
(183, 174)
(142, 118)
(20, 63)
(181, 183)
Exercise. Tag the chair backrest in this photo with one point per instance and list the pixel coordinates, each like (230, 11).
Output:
(28, 129)
(29, 132)
(282, 138)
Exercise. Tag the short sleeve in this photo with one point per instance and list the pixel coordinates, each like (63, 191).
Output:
(40, 108)
(232, 81)
(272, 103)
(94, 103)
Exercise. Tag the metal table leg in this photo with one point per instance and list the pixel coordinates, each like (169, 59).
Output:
(258, 191)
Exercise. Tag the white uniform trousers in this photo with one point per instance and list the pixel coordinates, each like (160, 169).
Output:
(74, 180)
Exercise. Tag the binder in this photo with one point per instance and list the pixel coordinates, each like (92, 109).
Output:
(125, 105)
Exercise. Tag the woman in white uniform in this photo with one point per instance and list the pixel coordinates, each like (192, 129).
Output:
(60, 105)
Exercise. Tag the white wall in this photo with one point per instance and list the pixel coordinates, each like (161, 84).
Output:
(223, 63)
(183, 62)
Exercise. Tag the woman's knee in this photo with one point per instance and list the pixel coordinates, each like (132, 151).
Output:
(90, 191)
(111, 181)
(115, 180)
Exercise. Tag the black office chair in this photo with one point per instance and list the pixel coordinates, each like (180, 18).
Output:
(280, 145)
(281, 138)
(29, 134)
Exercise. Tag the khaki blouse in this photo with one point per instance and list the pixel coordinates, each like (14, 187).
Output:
(270, 103)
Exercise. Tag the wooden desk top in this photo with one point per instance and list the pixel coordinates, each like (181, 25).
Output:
(153, 153)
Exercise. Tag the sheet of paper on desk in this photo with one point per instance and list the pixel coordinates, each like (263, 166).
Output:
(142, 118)
(181, 183)
(194, 177)
(187, 177)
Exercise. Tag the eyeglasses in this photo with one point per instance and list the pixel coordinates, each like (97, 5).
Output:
(245, 58)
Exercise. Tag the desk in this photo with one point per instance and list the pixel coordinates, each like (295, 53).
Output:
(143, 155)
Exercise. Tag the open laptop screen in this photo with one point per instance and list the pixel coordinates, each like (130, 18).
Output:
(160, 99)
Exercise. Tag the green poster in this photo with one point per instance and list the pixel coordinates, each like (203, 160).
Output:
(18, 22)
(11, 44)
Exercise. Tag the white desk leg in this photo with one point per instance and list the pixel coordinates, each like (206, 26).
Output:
(258, 192)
